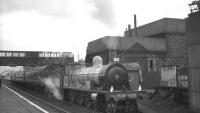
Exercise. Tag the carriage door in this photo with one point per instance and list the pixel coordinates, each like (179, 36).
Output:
(61, 82)
(134, 79)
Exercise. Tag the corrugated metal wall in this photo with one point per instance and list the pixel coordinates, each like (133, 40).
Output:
(193, 44)
(168, 76)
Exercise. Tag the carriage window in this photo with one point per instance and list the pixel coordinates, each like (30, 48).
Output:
(47, 55)
(53, 54)
(41, 54)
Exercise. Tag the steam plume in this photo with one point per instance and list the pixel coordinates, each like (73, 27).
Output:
(52, 87)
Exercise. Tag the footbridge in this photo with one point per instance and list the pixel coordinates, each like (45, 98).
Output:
(34, 58)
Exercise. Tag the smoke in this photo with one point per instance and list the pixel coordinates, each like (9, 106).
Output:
(113, 42)
(104, 11)
(51, 85)
(101, 10)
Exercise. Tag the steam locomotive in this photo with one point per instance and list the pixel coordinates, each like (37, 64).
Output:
(99, 87)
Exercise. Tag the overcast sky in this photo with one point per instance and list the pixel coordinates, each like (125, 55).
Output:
(68, 25)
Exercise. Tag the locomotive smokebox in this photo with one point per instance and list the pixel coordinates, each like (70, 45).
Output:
(116, 76)
(101, 76)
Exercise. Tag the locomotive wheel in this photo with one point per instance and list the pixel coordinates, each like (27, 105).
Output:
(49, 93)
(86, 102)
(80, 103)
(71, 98)
(93, 107)
(110, 106)
(45, 90)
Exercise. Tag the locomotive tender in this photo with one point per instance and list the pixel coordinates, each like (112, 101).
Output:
(101, 87)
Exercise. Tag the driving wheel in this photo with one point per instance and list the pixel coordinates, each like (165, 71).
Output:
(110, 106)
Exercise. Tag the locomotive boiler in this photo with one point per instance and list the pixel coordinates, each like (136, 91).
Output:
(103, 77)
(102, 87)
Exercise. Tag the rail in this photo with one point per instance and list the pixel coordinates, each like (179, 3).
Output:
(41, 101)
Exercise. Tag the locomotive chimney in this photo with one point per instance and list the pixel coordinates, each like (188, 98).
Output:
(97, 61)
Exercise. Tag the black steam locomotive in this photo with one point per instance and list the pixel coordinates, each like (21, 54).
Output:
(99, 87)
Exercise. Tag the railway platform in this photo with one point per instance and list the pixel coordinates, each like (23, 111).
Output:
(12, 102)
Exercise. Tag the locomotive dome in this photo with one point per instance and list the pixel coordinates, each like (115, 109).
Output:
(97, 61)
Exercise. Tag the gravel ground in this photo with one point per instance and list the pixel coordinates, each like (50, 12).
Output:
(158, 105)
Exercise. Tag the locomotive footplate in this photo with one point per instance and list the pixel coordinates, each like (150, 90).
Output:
(121, 101)
(120, 95)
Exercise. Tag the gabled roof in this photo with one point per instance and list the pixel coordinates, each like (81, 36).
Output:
(137, 47)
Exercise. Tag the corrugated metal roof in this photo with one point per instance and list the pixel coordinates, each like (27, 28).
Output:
(165, 25)
(122, 43)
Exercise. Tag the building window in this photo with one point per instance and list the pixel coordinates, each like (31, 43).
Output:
(151, 64)
(15, 54)
(22, 54)
(9, 54)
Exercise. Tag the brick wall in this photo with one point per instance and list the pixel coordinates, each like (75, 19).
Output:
(176, 49)
(175, 55)
(150, 78)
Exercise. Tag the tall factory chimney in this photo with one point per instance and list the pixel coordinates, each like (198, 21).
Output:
(135, 24)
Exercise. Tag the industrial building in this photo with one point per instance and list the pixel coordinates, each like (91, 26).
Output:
(162, 42)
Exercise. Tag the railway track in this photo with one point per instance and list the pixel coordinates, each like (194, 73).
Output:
(58, 106)
(43, 102)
